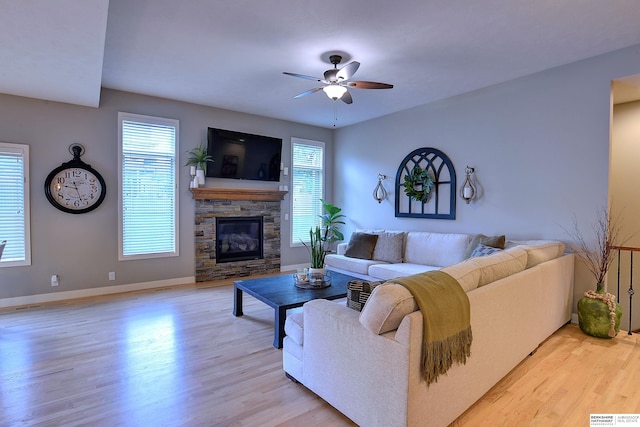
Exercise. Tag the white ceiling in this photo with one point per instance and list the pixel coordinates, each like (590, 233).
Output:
(231, 54)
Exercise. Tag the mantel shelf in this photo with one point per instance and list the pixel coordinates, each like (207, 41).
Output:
(206, 193)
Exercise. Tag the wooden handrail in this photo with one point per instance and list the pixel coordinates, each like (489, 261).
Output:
(625, 248)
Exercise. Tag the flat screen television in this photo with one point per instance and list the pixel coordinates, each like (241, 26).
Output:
(240, 155)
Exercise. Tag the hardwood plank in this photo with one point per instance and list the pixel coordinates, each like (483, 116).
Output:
(177, 356)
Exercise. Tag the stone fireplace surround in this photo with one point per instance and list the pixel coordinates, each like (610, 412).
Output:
(218, 202)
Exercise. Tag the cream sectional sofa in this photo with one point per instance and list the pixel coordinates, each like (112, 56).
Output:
(398, 253)
(367, 364)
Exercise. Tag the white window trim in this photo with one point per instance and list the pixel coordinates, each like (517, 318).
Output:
(296, 140)
(160, 121)
(24, 150)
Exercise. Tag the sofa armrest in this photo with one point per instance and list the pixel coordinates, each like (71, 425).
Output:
(343, 359)
(341, 248)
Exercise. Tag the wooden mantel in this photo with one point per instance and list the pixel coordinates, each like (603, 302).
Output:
(204, 193)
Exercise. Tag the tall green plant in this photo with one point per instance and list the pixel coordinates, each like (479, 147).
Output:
(321, 237)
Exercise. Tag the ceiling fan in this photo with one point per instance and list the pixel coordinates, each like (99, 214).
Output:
(336, 81)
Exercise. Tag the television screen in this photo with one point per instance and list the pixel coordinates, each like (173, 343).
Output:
(240, 155)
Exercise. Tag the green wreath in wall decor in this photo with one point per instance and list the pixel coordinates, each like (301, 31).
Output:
(418, 184)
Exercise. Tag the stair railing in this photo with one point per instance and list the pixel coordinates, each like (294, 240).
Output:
(630, 291)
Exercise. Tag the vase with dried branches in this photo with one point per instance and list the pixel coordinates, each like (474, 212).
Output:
(598, 312)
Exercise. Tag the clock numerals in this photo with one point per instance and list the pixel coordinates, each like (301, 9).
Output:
(75, 189)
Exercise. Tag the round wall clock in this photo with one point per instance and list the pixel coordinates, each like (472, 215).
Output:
(75, 187)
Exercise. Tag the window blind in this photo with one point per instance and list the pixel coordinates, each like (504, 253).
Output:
(148, 187)
(14, 208)
(307, 188)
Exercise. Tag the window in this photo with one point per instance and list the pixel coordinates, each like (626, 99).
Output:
(307, 189)
(148, 187)
(14, 204)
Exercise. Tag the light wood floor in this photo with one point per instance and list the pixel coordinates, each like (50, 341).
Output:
(178, 357)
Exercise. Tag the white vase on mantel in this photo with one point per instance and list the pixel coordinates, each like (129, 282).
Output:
(200, 176)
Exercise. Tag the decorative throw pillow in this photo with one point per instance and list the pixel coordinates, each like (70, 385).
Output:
(484, 250)
(358, 292)
(493, 241)
(361, 245)
(389, 247)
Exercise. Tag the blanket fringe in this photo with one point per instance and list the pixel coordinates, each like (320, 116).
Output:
(439, 356)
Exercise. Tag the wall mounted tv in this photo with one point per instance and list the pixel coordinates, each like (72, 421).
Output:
(240, 155)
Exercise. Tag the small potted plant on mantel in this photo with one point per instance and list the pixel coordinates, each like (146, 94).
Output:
(199, 159)
(323, 236)
(598, 312)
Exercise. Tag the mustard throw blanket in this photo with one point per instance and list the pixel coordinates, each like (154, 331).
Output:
(447, 321)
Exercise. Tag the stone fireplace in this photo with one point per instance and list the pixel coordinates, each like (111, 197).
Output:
(237, 212)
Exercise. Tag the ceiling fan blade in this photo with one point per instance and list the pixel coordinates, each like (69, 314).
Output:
(302, 76)
(346, 72)
(308, 92)
(369, 85)
(346, 98)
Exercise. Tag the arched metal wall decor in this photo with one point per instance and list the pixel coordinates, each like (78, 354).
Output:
(410, 185)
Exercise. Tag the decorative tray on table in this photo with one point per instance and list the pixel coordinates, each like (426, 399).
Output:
(307, 281)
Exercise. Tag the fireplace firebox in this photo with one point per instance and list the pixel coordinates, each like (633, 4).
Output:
(238, 238)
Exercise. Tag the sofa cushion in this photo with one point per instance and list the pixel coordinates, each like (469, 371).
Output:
(500, 265)
(294, 327)
(361, 245)
(436, 249)
(356, 265)
(386, 307)
(481, 239)
(539, 251)
(389, 246)
(466, 273)
(391, 271)
(358, 292)
(484, 250)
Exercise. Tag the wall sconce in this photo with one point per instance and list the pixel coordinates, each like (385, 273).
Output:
(379, 193)
(468, 191)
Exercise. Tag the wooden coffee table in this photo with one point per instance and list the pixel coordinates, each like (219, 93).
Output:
(280, 293)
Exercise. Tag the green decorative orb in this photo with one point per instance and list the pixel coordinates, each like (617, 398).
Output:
(593, 316)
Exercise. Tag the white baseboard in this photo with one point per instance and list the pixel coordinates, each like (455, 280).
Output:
(83, 293)
(574, 318)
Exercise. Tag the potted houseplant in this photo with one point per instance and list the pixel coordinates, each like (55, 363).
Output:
(598, 312)
(321, 237)
(199, 158)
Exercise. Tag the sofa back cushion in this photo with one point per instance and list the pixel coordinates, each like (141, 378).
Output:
(466, 273)
(435, 249)
(539, 251)
(499, 265)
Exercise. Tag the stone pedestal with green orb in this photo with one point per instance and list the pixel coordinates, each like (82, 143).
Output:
(594, 316)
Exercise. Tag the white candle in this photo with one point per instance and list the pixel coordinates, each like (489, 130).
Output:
(467, 192)
(195, 182)
(193, 170)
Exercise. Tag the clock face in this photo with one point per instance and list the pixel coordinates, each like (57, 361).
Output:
(75, 189)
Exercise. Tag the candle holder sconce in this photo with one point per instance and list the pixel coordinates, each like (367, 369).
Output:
(379, 193)
(468, 191)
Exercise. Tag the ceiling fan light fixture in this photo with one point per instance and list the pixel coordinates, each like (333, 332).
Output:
(334, 91)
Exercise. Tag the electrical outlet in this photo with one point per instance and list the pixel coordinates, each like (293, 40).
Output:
(112, 275)
(55, 280)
